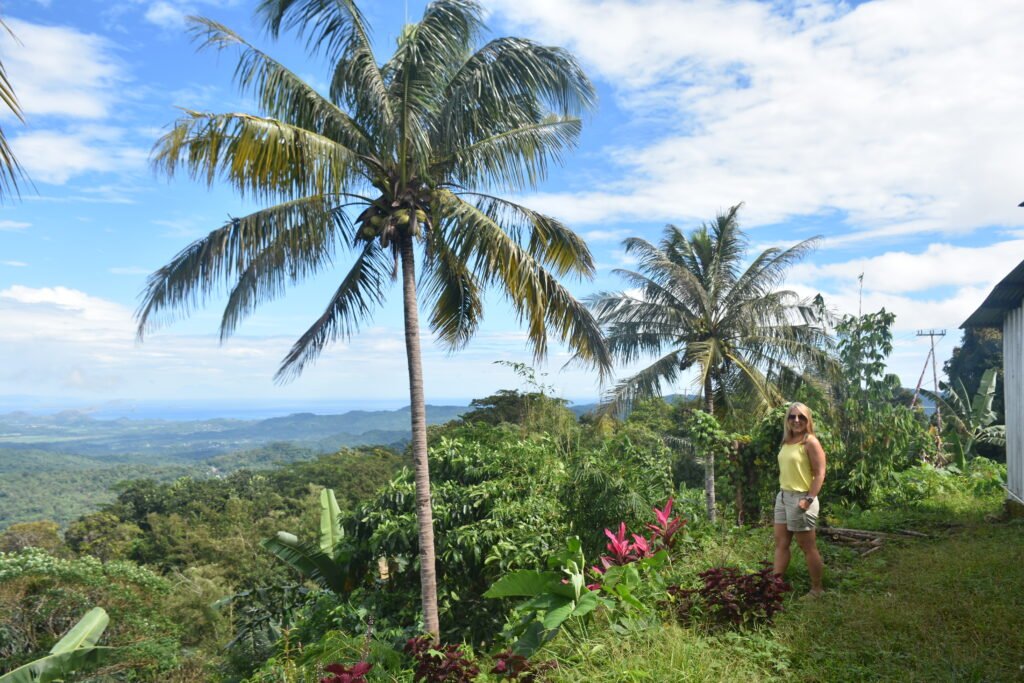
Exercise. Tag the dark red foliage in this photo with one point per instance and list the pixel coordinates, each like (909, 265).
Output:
(733, 596)
(518, 668)
(442, 663)
(345, 674)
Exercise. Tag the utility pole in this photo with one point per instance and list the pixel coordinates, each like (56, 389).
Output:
(920, 380)
(932, 334)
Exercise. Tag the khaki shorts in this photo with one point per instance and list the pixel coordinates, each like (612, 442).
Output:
(789, 513)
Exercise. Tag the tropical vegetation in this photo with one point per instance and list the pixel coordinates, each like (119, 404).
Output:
(416, 146)
(518, 541)
(692, 305)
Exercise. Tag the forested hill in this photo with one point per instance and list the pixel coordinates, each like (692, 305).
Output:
(77, 432)
(61, 466)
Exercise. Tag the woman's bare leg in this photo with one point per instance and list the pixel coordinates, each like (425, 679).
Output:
(783, 537)
(807, 540)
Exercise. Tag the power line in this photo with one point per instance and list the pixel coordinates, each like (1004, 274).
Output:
(932, 334)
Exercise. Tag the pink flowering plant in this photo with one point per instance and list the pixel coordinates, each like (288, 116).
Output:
(667, 527)
(626, 584)
(629, 572)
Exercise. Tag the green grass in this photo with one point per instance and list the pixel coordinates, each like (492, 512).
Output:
(671, 654)
(950, 608)
(947, 608)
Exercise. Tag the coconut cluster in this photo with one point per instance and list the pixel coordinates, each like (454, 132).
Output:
(386, 219)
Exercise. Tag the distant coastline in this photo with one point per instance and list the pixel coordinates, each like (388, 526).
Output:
(190, 411)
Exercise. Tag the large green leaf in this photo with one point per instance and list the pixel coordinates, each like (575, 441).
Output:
(981, 405)
(72, 652)
(85, 633)
(554, 618)
(522, 583)
(330, 522)
(58, 667)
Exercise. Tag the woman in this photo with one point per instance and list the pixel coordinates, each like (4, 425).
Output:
(801, 473)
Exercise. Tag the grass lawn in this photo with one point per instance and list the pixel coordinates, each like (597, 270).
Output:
(950, 608)
(946, 608)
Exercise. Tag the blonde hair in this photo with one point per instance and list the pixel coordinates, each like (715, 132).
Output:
(806, 412)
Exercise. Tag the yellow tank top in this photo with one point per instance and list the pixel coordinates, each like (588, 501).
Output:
(794, 468)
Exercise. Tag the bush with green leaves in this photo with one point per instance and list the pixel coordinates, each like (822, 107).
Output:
(496, 508)
(877, 434)
(915, 485)
(42, 597)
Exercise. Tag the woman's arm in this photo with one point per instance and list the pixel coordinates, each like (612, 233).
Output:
(816, 455)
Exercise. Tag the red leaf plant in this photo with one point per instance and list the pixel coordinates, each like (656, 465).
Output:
(623, 551)
(440, 663)
(667, 527)
(345, 674)
(515, 667)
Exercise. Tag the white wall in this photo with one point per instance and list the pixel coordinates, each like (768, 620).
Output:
(1013, 389)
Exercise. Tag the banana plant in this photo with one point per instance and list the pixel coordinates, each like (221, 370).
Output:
(969, 421)
(328, 562)
(554, 597)
(74, 651)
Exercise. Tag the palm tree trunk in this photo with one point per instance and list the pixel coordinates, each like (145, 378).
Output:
(417, 407)
(709, 458)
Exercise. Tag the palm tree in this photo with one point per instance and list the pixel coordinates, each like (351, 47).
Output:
(10, 169)
(694, 307)
(412, 149)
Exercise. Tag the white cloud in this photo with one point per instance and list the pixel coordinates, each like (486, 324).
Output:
(55, 157)
(604, 235)
(903, 115)
(60, 71)
(935, 288)
(72, 344)
(10, 226)
(171, 14)
(939, 265)
(166, 15)
(14, 264)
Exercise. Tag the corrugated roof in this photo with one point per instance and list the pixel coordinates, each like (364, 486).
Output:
(1005, 297)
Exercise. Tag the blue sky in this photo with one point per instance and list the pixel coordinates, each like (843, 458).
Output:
(890, 127)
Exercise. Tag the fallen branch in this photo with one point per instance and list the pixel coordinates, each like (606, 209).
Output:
(873, 534)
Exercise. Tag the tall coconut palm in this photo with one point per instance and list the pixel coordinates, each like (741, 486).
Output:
(10, 169)
(395, 165)
(694, 306)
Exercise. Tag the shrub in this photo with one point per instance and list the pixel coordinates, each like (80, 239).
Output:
(347, 674)
(515, 667)
(444, 663)
(732, 596)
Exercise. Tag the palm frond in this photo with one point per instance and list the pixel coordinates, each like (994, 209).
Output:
(280, 92)
(297, 252)
(10, 169)
(668, 279)
(452, 294)
(499, 87)
(219, 258)
(514, 159)
(537, 298)
(546, 239)
(768, 270)
(338, 29)
(360, 292)
(262, 157)
(647, 382)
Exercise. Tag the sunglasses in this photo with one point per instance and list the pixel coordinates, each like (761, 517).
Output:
(794, 418)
